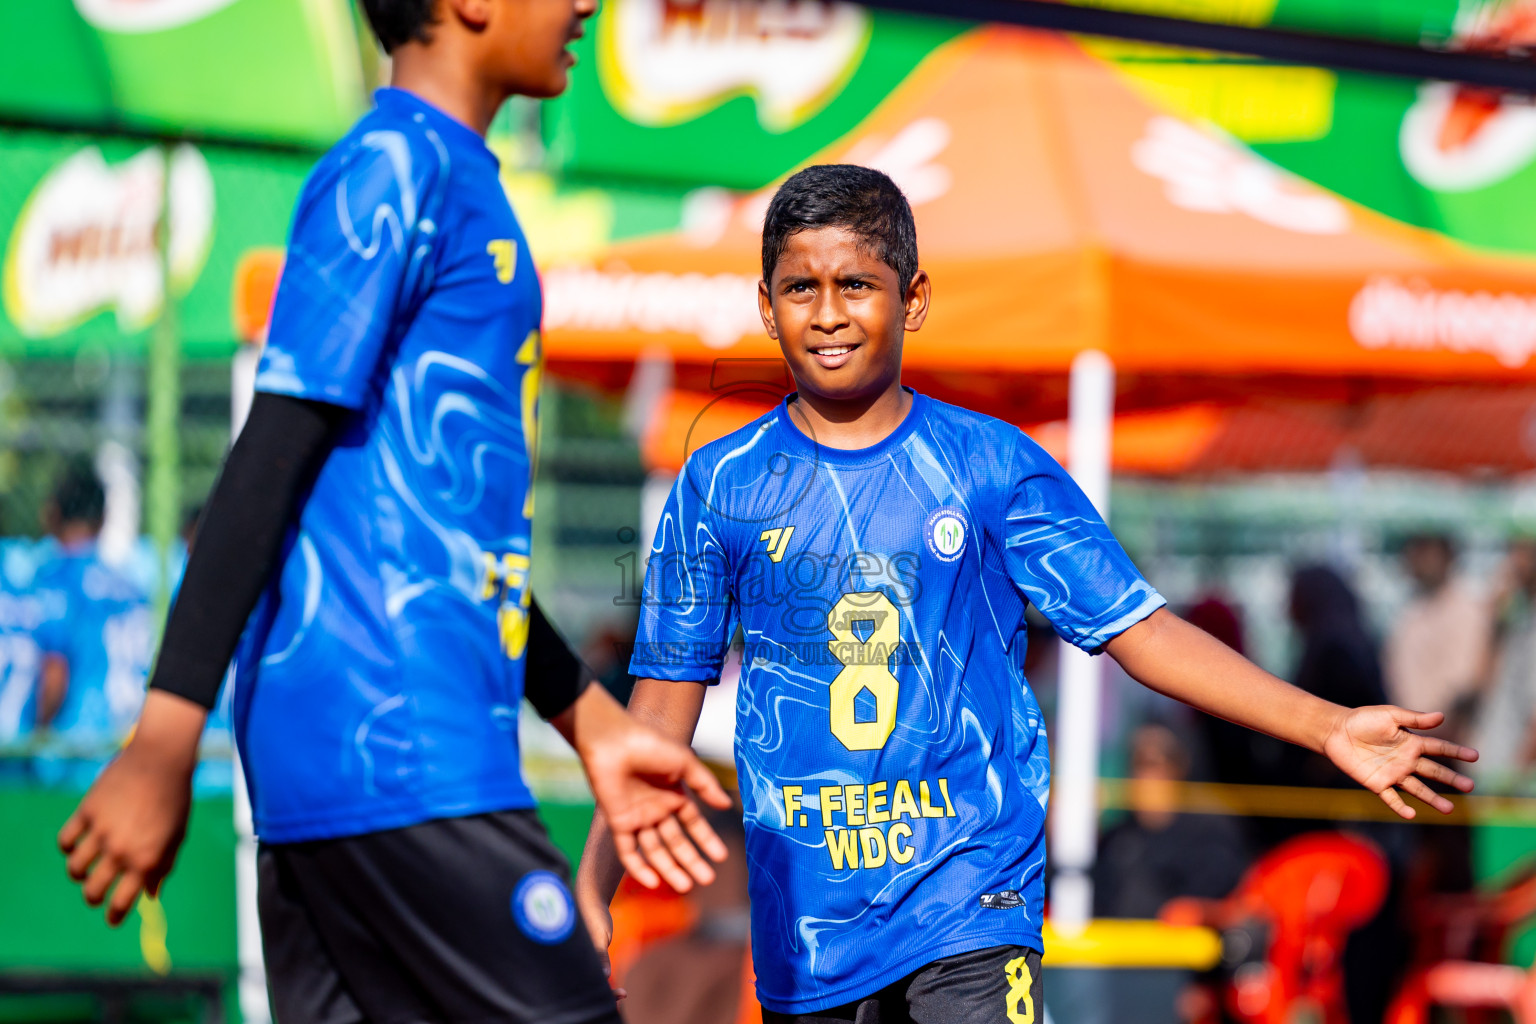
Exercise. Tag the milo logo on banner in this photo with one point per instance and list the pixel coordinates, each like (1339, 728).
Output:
(663, 62)
(86, 240)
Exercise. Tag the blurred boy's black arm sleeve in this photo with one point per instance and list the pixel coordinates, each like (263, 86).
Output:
(553, 676)
(239, 540)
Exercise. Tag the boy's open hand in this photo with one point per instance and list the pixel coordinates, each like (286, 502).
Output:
(131, 822)
(1374, 747)
(641, 780)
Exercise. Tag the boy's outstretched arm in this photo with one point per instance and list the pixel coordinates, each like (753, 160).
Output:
(1371, 745)
(672, 710)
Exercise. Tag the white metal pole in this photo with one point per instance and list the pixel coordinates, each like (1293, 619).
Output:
(252, 986)
(1074, 785)
(254, 1007)
(242, 386)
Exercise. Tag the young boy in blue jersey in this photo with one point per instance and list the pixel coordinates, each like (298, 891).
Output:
(877, 549)
(367, 547)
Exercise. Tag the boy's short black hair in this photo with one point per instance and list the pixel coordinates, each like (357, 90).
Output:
(396, 22)
(861, 199)
(78, 495)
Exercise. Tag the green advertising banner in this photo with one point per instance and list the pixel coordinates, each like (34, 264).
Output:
(731, 92)
(1456, 159)
(1398, 21)
(80, 265)
(735, 93)
(286, 71)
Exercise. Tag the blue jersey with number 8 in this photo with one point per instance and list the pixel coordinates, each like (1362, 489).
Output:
(892, 759)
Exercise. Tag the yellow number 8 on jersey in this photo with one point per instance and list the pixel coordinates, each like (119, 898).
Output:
(1018, 1000)
(866, 666)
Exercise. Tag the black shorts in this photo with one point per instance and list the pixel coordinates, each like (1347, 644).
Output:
(1000, 985)
(458, 921)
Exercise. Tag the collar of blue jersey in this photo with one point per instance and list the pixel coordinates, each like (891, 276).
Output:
(453, 131)
(797, 438)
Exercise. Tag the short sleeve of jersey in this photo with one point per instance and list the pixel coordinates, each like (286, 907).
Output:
(1062, 557)
(360, 256)
(52, 634)
(687, 614)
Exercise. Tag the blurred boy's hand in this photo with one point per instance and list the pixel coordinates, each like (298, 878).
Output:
(1374, 747)
(131, 822)
(641, 780)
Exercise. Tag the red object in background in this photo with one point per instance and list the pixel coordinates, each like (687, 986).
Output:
(1468, 985)
(1461, 939)
(1308, 894)
(643, 917)
(1314, 890)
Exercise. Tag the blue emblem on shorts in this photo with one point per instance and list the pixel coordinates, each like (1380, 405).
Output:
(542, 908)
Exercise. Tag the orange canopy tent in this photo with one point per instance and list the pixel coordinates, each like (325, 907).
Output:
(1059, 210)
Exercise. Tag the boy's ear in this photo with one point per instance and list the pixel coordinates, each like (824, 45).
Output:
(474, 13)
(765, 310)
(918, 294)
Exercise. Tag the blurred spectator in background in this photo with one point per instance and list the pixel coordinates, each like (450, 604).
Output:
(1437, 653)
(702, 976)
(1338, 662)
(1157, 853)
(1231, 748)
(94, 634)
(1503, 733)
(1217, 616)
(1338, 656)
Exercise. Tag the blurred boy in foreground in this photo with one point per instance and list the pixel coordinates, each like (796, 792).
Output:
(368, 548)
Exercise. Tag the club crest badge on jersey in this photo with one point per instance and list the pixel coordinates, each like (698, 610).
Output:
(542, 907)
(944, 533)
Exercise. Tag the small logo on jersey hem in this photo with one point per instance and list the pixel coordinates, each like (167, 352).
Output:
(1008, 899)
(542, 908)
(944, 533)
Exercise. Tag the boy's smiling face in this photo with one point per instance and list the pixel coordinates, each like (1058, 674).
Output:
(839, 313)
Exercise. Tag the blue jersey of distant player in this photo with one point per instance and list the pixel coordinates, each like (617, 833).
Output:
(891, 757)
(98, 621)
(20, 659)
(379, 679)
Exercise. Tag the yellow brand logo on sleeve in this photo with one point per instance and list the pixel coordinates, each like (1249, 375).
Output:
(504, 252)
